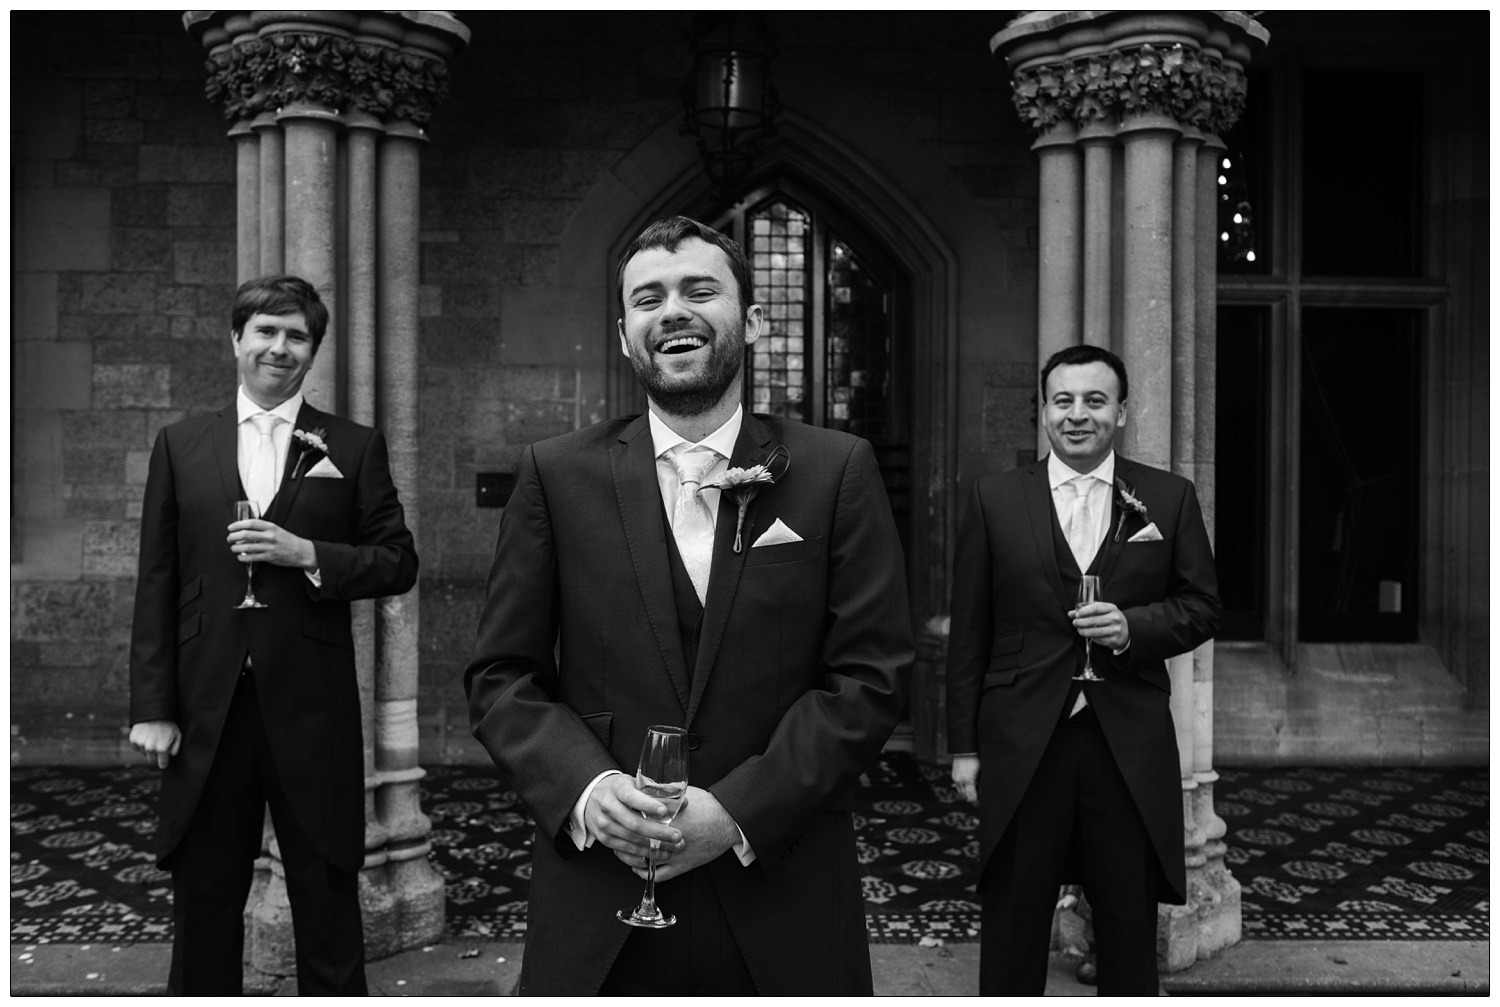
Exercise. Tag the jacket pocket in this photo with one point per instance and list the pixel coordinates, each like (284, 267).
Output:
(190, 590)
(1005, 650)
(602, 724)
(188, 628)
(786, 552)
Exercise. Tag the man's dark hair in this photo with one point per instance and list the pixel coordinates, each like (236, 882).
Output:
(280, 295)
(668, 233)
(1086, 354)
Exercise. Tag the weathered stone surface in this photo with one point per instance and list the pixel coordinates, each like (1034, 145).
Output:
(198, 328)
(104, 428)
(203, 262)
(111, 538)
(114, 293)
(139, 206)
(52, 375)
(177, 300)
(93, 465)
(201, 205)
(186, 163)
(113, 130)
(59, 229)
(94, 174)
(141, 249)
(63, 612)
(35, 305)
(48, 549)
(108, 98)
(202, 382)
(125, 385)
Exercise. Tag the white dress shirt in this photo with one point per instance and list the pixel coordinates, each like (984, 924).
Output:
(281, 437)
(1100, 483)
(663, 440)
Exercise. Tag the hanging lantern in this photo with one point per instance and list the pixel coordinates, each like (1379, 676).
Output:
(729, 102)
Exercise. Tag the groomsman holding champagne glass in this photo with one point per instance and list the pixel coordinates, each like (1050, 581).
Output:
(260, 524)
(1059, 706)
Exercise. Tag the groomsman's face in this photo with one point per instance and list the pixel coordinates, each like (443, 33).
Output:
(684, 328)
(1083, 413)
(273, 354)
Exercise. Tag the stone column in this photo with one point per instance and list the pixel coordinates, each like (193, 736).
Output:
(1152, 89)
(331, 101)
(1098, 141)
(1060, 271)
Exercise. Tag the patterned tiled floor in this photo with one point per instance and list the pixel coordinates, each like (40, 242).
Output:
(1372, 854)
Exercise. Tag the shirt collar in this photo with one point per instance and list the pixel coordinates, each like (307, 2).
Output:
(1058, 471)
(288, 410)
(664, 438)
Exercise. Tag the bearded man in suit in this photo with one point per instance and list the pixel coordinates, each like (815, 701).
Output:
(627, 591)
(245, 707)
(1080, 779)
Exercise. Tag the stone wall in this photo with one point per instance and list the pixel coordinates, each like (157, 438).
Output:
(124, 268)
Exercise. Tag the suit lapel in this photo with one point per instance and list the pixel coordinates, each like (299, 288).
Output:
(632, 462)
(1112, 549)
(1039, 509)
(286, 491)
(724, 581)
(226, 441)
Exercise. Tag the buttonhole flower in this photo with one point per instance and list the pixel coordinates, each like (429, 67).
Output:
(743, 485)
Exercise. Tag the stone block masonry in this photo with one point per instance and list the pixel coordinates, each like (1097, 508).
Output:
(123, 273)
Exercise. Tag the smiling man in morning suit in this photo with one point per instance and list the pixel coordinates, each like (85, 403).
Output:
(624, 593)
(243, 708)
(1080, 781)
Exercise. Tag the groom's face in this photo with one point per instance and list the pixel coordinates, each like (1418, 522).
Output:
(1083, 413)
(684, 328)
(273, 354)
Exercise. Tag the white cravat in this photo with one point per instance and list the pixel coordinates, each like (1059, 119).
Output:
(692, 524)
(260, 480)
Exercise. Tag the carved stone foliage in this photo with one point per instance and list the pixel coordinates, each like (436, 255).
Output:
(1197, 89)
(264, 74)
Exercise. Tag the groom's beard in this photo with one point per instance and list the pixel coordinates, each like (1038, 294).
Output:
(694, 394)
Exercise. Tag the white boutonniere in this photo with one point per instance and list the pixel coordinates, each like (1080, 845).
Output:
(1125, 494)
(312, 443)
(743, 485)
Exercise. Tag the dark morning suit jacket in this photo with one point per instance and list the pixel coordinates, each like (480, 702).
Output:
(189, 642)
(1013, 650)
(801, 670)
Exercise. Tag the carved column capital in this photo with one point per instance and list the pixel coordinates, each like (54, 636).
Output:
(384, 64)
(1094, 68)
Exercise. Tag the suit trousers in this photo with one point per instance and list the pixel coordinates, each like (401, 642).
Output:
(214, 865)
(697, 956)
(1076, 822)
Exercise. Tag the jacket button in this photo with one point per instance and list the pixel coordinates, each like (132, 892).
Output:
(692, 742)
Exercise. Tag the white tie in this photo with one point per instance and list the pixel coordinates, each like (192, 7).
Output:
(1081, 538)
(261, 477)
(692, 524)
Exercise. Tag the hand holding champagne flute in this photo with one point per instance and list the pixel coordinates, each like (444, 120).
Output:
(1088, 592)
(248, 510)
(662, 775)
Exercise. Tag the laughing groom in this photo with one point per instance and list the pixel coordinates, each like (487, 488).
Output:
(636, 583)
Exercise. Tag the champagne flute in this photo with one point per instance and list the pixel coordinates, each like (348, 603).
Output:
(248, 510)
(662, 775)
(1088, 591)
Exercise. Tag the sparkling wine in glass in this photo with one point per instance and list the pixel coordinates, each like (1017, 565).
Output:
(1088, 591)
(662, 775)
(248, 510)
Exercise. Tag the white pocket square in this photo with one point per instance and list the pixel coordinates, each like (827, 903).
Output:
(1146, 534)
(325, 469)
(777, 534)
